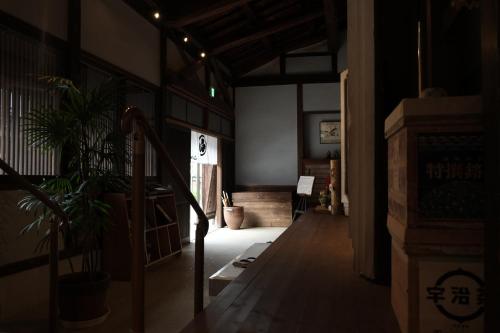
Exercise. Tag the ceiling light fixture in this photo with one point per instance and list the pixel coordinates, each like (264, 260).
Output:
(203, 54)
(186, 39)
(156, 15)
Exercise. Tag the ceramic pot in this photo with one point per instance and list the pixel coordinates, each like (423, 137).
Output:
(234, 216)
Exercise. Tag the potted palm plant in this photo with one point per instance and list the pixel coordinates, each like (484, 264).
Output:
(82, 126)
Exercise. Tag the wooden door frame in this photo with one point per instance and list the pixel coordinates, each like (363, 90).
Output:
(218, 212)
(344, 139)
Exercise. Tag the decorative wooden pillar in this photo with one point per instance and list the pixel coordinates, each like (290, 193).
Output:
(336, 190)
(435, 216)
(54, 274)
(138, 216)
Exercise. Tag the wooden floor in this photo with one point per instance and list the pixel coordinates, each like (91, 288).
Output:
(303, 283)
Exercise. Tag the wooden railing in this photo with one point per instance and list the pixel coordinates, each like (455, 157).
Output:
(134, 121)
(55, 225)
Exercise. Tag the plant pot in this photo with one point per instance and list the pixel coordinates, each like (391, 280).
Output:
(234, 216)
(116, 249)
(323, 200)
(82, 299)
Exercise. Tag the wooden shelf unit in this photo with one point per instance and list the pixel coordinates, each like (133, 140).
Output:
(161, 231)
(320, 169)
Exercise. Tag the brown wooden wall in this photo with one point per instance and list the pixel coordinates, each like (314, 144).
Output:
(382, 61)
(265, 209)
(361, 106)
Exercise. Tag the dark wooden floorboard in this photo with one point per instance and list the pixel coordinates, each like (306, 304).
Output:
(304, 282)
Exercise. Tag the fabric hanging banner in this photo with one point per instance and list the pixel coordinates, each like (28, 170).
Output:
(203, 148)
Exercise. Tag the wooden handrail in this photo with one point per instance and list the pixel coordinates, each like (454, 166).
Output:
(133, 113)
(54, 237)
(25, 184)
(131, 116)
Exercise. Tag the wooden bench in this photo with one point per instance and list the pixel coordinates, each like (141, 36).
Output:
(229, 272)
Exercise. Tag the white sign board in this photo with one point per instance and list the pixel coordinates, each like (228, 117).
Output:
(305, 185)
(203, 148)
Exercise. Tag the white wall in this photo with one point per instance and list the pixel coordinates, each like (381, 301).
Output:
(47, 15)
(113, 31)
(321, 97)
(13, 246)
(266, 135)
(175, 61)
(309, 65)
(27, 291)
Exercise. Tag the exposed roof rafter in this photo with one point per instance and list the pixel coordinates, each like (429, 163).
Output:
(265, 32)
(217, 9)
(331, 21)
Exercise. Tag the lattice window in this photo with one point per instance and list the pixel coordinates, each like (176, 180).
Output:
(22, 62)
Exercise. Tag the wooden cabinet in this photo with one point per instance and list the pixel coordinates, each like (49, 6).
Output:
(435, 163)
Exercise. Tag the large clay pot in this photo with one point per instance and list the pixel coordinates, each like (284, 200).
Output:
(82, 299)
(234, 216)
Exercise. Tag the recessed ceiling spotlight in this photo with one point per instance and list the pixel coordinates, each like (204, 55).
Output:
(156, 15)
(203, 54)
(186, 39)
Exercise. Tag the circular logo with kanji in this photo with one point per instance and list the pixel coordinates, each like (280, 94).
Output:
(202, 145)
(458, 295)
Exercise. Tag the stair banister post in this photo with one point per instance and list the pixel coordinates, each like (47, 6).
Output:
(133, 124)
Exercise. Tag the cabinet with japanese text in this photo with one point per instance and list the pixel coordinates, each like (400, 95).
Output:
(435, 213)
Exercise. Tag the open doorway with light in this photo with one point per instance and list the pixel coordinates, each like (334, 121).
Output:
(203, 178)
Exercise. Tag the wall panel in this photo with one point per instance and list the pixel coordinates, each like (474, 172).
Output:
(47, 15)
(113, 31)
(361, 104)
(266, 135)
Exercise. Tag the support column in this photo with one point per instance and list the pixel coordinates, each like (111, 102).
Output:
(138, 197)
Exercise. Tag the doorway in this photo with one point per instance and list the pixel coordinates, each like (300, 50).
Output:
(203, 179)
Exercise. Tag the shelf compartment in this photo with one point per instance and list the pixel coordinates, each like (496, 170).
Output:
(152, 250)
(175, 238)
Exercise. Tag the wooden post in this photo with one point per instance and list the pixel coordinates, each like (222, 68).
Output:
(199, 267)
(300, 129)
(138, 213)
(218, 194)
(336, 188)
(54, 274)
(138, 198)
(490, 32)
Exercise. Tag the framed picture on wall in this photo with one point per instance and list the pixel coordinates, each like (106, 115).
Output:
(329, 132)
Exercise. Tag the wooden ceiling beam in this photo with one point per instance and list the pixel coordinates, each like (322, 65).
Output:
(274, 8)
(265, 32)
(271, 80)
(331, 20)
(217, 9)
(255, 22)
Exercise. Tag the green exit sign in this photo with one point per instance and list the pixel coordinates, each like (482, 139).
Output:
(212, 92)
